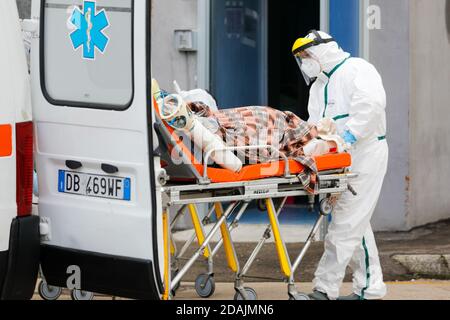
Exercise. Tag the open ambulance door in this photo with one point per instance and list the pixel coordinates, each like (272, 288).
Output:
(99, 203)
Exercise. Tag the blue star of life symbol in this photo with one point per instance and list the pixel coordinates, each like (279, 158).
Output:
(90, 26)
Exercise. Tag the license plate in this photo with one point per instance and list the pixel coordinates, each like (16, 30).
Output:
(93, 185)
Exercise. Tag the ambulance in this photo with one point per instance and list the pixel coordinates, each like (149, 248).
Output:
(19, 229)
(97, 155)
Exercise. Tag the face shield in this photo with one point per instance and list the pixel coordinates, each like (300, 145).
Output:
(308, 63)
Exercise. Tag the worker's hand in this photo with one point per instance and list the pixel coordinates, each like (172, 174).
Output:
(349, 138)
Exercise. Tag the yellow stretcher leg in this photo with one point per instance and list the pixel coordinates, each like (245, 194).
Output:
(172, 247)
(283, 256)
(198, 228)
(166, 255)
(230, 252)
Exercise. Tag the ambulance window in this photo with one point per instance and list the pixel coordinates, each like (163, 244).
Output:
(87, 53)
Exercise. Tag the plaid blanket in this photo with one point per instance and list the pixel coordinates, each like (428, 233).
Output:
(253, 126)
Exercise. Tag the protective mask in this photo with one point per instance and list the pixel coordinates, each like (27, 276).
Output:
(311, 68)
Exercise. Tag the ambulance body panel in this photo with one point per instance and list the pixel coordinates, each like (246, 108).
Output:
(19, 230)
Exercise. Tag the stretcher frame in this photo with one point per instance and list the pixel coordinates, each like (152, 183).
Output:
(199, 235)
(330, 183)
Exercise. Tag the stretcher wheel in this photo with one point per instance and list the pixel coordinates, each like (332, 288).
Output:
(299, 297)
(325, 207)
(80, 295)
(205, 285)
(251, 295)
(49, 293)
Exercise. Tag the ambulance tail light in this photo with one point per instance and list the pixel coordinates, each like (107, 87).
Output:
(24, 168)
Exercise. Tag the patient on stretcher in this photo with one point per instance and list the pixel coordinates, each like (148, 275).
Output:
(265, 125)
(253, 126)
(212, 129)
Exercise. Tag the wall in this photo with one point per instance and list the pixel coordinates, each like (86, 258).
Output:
(389, 49)
(430, 112)
(167, 63)
(412, 53)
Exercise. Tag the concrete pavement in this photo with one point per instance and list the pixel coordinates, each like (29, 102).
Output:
(415, 290)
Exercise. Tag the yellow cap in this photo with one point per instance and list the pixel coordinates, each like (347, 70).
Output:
(302, 44)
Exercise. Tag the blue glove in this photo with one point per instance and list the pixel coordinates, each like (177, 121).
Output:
(349, 138)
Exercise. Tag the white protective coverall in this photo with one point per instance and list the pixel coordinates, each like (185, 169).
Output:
(350, 91)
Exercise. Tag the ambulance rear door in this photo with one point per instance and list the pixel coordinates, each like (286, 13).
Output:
(98, 199)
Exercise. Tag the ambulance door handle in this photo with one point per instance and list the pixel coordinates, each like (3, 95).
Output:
(74, 165)
(109, 168)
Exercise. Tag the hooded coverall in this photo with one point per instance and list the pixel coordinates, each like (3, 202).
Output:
(350, 91)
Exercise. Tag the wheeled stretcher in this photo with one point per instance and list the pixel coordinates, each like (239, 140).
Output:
(192, 183)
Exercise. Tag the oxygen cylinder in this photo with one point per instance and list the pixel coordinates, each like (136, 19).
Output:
(207, 141)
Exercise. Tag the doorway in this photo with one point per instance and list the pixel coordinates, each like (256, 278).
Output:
(288, 21)
(250, 52)
(238, 52)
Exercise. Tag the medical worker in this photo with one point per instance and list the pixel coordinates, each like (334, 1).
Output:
(349, 91)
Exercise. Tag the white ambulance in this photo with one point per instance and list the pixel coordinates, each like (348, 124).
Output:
(96, 150)
(19, 230)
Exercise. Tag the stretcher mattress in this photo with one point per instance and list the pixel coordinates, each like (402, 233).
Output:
(275, 169)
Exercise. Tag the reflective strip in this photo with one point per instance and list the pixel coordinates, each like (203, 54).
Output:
(366, 252)
(326, 100)
(335, 69)
(326, 87)
(343, 116)
(5, 140)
